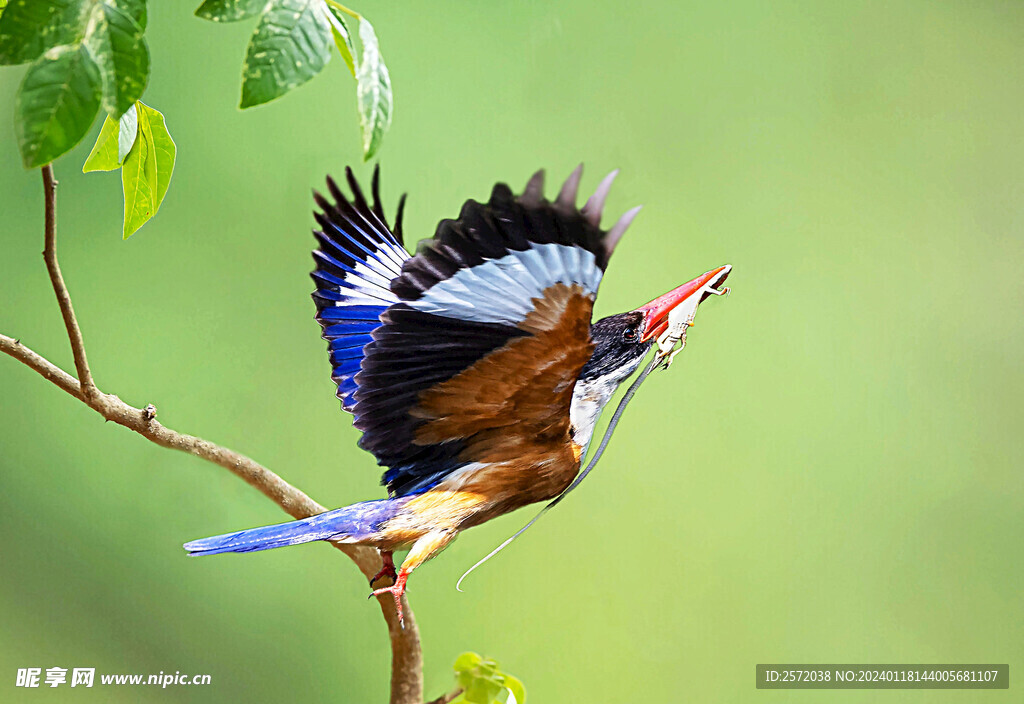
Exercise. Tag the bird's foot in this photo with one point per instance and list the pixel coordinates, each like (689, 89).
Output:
(396, 590)
(388, 570)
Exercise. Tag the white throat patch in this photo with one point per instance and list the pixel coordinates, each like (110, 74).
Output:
(590, 397)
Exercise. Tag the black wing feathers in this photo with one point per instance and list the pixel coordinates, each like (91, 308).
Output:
(490, 231)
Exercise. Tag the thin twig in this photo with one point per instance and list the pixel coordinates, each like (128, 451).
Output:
(59, 287)
(406, 653)
(446, 698)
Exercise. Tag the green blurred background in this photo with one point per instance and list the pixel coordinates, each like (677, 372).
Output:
(830, 473)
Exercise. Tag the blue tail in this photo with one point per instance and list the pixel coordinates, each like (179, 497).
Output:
(356, 523)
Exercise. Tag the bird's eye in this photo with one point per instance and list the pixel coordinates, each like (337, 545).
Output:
(630, 335)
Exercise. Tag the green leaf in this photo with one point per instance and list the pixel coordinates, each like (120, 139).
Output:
(135, 8)
(129, 127)
(342, 38)
(56, 104)
(162, 148)
(30, 27)
(139, 192)
(103, 156)
(516, 688)
(483, 691)
(115, 39)
(467, 661)
(147, 165)
(483, 683)
(147, 169)
(373, 92)
(115, 141)
(290, 46)
(229, 10)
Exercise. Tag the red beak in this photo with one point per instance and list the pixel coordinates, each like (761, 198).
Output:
(656, 312)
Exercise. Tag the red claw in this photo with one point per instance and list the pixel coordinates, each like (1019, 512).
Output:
(397, 590)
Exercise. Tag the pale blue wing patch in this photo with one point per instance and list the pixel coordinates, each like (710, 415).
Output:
(502, 290)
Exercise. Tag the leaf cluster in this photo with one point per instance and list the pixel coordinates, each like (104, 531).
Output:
(140, 145)
(83, 55)
(292, 43)
(482, 682)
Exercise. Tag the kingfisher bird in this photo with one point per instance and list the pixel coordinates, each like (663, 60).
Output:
(471, 367)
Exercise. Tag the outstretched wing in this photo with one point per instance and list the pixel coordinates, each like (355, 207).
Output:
(358, 258)
(476, 361)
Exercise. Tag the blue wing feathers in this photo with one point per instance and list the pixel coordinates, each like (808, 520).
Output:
(337, 355)
(357, 259)
(354, 318)
(346, 277)
(340, 340)
(379, 255)
(346, 367)
(355, 312)
(346, 391)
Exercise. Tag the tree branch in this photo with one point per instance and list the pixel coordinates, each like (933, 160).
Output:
(406, 653)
